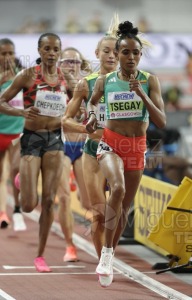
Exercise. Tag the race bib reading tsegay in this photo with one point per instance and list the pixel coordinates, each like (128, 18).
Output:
(124, 105)
(51, 104)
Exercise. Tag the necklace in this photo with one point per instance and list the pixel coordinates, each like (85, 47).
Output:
(124, 76)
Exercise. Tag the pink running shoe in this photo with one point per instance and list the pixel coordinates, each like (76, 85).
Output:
(72, 182)
(41, 265)
(70, 254)
(17, 181)
(4, 220)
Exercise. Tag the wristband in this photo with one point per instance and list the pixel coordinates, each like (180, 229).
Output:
(92, 113)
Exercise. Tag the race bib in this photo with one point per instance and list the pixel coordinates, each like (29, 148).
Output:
(103, 148)
(51, 104)
(124, 105)
(101, 115)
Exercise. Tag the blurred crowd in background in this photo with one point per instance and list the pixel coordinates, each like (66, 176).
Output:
(73, 25)
(93, 16)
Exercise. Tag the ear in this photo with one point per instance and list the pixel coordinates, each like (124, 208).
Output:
(38, 50)
(97, 53)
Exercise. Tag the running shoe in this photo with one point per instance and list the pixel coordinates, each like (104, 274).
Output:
(106, 281)
(18, 222)
(70, 254)
(4, 220)
(72, 181)
(41, 265)
(17, 181)
(105, 265)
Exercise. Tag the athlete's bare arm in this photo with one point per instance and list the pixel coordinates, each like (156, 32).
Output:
(68, 122)
(92, 105)
(22, 80)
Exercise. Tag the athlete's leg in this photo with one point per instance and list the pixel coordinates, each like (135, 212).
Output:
(14, 158)
(29, 173)
(51, 167)
(3, 182)
(78, 171)
(112, 167)
(95, 184)
(63, 193)
(4, 219)
(132, 180)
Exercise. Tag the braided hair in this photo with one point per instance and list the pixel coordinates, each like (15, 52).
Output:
(126, 30)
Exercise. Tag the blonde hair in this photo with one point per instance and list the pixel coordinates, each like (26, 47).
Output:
(113, 26)
(111, 32)
(145, 43)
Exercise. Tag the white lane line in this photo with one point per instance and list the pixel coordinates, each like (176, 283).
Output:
(50, 273)
(5, 296)
(44, 274)
(120, 266)
(126, 270)
(52, 267)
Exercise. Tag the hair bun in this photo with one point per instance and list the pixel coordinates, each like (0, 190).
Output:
(127, 28)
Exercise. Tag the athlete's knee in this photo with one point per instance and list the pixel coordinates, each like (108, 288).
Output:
(47, 203)
(118, 190)
(98, 221)
(14, 169)
(98, 211)
(64, 200)
(86, 205)
(28, 204)
(84, 200)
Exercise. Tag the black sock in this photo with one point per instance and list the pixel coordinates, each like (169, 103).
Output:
(17, 209)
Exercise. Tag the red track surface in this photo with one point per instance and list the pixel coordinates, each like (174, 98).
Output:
(70, 281)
